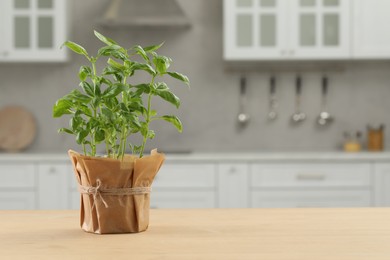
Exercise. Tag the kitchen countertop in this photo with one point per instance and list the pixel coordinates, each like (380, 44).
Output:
(293, 234)
(229, 157)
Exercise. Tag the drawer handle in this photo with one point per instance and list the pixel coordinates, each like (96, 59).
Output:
(310, 177)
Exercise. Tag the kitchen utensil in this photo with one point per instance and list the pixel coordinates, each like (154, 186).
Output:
(298, 115)
(324, 117)
(273, 102)
(243, 117)
(17, 128)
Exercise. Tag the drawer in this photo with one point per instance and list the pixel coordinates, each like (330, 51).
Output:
(12, 200)
(311, 198)
(182, 199)
(310, 175)
(17, 175)
(186, 176)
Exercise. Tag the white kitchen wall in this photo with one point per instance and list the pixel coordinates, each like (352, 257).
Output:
(359, 91)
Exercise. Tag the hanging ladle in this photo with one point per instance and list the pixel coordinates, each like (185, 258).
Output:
(273, 102)
(243, 117)
(298, 115)
(324, 117)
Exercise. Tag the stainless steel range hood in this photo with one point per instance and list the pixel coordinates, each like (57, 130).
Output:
(145, 13)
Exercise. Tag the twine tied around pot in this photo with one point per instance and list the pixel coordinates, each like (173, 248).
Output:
(97, 191)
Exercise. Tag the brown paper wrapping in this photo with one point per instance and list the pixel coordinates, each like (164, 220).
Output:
(104, 214)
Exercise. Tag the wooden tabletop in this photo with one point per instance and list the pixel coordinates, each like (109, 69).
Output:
(291, 234)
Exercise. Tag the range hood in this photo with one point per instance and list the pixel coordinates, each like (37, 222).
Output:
(145, 13)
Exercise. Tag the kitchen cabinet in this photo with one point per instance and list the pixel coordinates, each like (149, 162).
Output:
(311, 185)
(32, 30)
(215, 181)
(371, 37)
(382, 184)
(18, 186)
(327, 198)
(286, 30)
(233, 185)
(185, 185)
(53, 183)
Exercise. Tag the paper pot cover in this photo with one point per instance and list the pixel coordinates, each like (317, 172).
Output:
(115, 195)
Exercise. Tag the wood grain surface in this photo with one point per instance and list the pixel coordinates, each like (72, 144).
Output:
(293, 234)
(17, 128)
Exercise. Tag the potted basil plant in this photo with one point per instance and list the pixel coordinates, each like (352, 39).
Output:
(108, 110)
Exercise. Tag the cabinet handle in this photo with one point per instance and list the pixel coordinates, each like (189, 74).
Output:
(310, 177)
(283, 52)
(232, 170)
(5, 53)
(291, 52)
(52, 170)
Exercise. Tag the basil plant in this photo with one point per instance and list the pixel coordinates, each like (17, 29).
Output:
(108, 108)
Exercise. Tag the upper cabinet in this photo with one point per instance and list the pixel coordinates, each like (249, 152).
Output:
(32, 30)
(286, 29)
(305, 29)
(371, 35)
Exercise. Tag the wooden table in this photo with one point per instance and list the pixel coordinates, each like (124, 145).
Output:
(268, 234)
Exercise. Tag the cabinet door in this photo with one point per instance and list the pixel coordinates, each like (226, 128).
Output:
(371, 37)
(311, 198)
(184, 185)
(319, 29)
(254, 29)
(182, 199)
(17, 200)
(382, 184)
(33, 30)
(53, 186)
(233, 185)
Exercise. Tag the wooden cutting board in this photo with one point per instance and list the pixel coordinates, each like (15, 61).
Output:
(17, 128)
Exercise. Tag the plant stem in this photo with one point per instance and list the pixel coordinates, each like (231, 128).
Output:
(147, 121)
(84, 149)
(93, 144)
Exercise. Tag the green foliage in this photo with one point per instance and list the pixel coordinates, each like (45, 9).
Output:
(107, 108)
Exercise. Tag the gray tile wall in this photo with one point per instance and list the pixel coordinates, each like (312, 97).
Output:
(359, 92)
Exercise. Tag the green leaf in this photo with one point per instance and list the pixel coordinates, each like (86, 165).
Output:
(80, 137)
(107, 112)
(153, 47)
(153, 113)
(62, 107)
(99, 136)
(144, 67)
(115, 64)
(77, 96)
(76, 48)
(114, 50)
(65, 130)
(104, 39)
(105, 81)
(175, 121)
(84, 72)
(141, 52)
(114, 90)
(88, 89)
(151, 134)
(163, 91)
(75, 123)
(179, 76)
(162, 63)
(96, 90)
(144, 88)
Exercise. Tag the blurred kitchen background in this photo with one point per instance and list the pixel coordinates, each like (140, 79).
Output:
(358, 87)
(227, 48)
